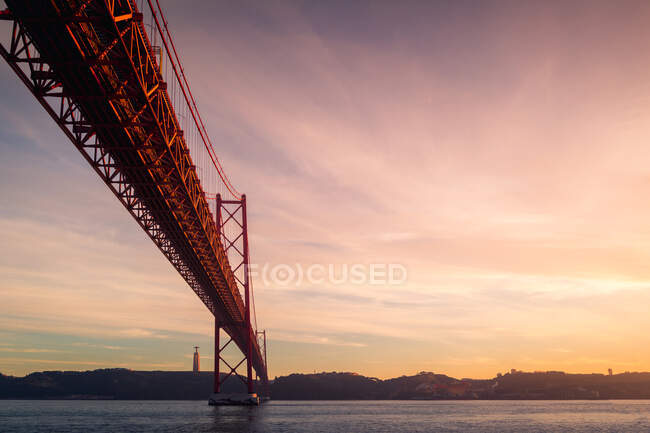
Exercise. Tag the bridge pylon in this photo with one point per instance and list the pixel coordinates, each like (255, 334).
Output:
(232, 226)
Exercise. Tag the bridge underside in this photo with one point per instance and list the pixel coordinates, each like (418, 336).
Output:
(91, 66)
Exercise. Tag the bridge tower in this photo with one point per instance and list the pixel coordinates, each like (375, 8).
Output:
(232, 226)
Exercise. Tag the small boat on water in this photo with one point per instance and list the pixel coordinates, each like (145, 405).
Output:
(234, 399)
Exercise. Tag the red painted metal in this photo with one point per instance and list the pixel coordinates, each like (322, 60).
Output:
(187, 94)
(247, 296)
(261, 341)
(92, 67)
(232, 223)
(217, 357)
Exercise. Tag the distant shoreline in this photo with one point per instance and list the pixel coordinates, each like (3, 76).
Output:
(123, 384)
(333, 400)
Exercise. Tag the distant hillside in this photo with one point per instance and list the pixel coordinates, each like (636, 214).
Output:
(559, 385)
(114, 384)
(351, 386)
(169, 385)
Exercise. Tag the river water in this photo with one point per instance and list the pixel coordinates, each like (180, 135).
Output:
(326, 416)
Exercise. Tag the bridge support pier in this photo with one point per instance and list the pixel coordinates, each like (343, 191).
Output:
(219, 398)
(235, 237)
(217, 355)
(247, 296)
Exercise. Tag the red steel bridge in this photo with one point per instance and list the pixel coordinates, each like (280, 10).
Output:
(108, 73)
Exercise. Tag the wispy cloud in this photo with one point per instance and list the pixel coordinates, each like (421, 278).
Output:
(297, 337)
(97, 346)
(140, 333)
(98, 364)
(27, 350)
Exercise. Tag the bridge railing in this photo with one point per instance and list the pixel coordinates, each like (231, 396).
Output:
(214, 179)
(209, 168)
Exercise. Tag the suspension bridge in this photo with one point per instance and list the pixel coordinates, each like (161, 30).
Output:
(109, 74)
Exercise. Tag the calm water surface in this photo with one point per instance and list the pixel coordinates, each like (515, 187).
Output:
(328, 416)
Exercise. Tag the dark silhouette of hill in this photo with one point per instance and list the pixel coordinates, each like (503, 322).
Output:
(559, 385)
(181, 385)
(351, 386)
(115, 384)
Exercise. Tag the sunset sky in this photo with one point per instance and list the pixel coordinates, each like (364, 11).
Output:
(499, 151)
